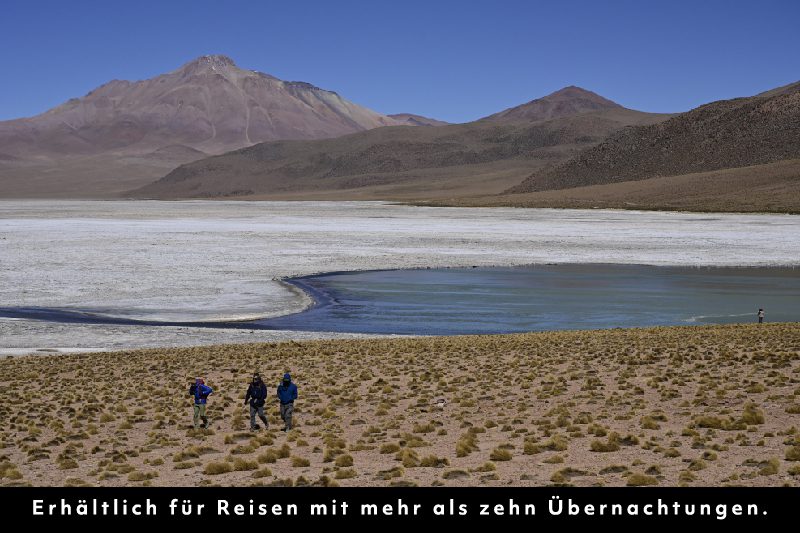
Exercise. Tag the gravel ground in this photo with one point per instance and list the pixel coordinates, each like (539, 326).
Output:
(205, 261)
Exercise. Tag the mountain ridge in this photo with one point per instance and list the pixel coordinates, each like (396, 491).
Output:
(725, 134)
(488, 154)
(208, 104)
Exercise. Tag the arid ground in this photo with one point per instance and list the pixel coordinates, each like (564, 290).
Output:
(711, 405)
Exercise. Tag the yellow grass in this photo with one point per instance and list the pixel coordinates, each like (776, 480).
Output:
(713, 405)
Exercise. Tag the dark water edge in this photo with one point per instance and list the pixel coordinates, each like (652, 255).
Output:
(456, 301)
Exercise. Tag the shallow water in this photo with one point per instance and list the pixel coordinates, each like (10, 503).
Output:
(454, 301)
(517, 299)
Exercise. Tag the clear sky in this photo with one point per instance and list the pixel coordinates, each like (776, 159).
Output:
(453, 60)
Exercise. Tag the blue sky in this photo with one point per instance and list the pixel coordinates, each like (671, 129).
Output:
(456, 61)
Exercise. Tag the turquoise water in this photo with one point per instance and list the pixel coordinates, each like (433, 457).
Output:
(507, 300)
(551, 297)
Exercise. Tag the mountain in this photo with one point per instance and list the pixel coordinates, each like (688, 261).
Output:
(728, 134)
(126, 130)
(562, 103)
(481, 157)
(410, 119)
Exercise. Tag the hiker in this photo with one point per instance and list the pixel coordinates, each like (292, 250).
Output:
(760, 316)
(200, 392)
(287, 394)
(257, 396)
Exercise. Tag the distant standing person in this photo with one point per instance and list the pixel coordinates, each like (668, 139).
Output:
(201, 392)
(257, 396)
(760, 316)
(287, 394)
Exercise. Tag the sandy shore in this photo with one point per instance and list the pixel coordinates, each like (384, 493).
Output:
(712, 405)
(202, 261)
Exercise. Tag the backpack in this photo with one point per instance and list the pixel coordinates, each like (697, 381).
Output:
(193, 389)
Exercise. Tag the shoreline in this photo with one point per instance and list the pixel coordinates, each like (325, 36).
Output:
(313, 297)
(458, 203)
(198, 261)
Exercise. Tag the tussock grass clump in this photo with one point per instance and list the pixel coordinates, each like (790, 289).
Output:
(392, 473)
(424, 428)
(345, 473)
(299, 462)
(344, 460)
(142, 476)
(262, 472)
(241, 465)
(697, 464)
(67, 464)
(217, 468)
(284, 452)
(486, 467)
(640, 480)
(610, 445)
(648, 422)
(557, 443)
(390, 448)
(793, 453)
(431, 461)
(752, 414)
(268, 456)
(770, 467)
(466, 444)
(500, 454)
(408, 457)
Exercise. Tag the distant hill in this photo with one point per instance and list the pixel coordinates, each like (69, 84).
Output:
(207, 106)
(485, 156)
(410, 119)
(728, 134)
(562, 103)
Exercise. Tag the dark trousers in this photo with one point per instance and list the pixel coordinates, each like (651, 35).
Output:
(260, 412)
(286, 414)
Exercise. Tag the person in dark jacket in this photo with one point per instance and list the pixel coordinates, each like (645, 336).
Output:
(287, 394)
(760, 316)
(257, 396)
(201, 392)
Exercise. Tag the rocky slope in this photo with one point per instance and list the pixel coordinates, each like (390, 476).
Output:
(727, 134)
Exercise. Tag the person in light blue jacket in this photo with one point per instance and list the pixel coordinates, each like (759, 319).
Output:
(287, 394)
(201, 392)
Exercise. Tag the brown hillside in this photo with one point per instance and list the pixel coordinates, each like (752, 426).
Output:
(407, 163)
(774, 187)
(725, 134)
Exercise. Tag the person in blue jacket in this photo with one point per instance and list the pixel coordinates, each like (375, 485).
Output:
(257, 396)
(287, 394)
(201, 392)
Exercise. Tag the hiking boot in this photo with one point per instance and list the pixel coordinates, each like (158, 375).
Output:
(255, 428)
(285, 429)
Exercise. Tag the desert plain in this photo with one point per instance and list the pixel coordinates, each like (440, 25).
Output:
(107, 404)
(703, 405)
